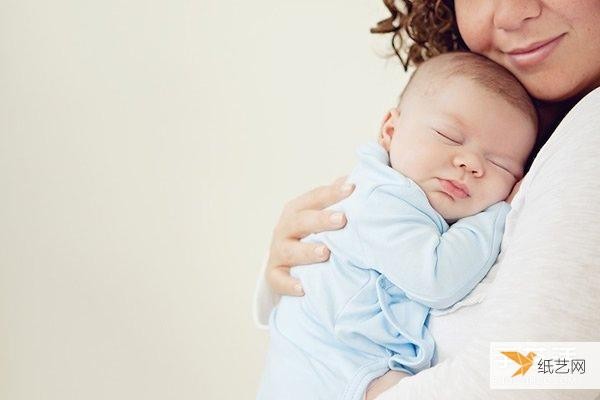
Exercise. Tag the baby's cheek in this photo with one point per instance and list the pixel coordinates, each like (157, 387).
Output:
(410, 164)
(499, 189)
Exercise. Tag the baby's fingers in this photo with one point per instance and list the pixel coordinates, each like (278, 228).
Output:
(514, 191)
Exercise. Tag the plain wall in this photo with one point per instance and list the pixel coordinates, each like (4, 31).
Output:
(146, 151)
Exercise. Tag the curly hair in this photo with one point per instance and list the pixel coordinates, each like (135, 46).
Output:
(421, 30)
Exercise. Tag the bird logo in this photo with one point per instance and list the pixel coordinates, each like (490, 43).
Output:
(524, 361)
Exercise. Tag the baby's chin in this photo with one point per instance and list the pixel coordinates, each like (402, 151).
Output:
(450, 209)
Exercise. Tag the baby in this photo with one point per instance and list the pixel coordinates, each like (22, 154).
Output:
(424, 227)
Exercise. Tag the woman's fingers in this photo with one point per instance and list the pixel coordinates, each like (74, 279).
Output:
(301, 217)
(339, 181)
(281, 282)
(310, 221)
(322, 197)
(292, 253)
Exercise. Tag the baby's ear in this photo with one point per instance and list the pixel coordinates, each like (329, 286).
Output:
(388, 128)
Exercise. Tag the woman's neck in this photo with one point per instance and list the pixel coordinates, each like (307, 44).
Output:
(550, 114)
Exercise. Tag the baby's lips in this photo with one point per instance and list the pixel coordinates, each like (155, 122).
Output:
(455, 189)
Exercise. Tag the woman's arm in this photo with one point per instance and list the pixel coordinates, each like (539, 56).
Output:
(302, 216)
(547, 280)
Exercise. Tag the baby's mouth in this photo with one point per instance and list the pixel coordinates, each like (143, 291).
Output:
(454, 189)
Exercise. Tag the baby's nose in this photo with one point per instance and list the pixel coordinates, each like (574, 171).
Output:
(471, 163)
(475, 171)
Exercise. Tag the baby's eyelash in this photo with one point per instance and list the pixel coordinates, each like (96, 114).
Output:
(444, 136)
(501, 166)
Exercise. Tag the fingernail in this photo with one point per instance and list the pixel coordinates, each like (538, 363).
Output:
(298, 289)
(320, 251)
(336, 218)
(346, 187)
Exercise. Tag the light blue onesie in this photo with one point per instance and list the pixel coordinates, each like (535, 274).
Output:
(366, 309)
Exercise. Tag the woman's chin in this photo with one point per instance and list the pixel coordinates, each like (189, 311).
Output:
(553, 88)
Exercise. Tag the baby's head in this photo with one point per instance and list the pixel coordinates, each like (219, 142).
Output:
(462, 131)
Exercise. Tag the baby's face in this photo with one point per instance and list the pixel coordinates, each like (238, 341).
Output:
(464, 146)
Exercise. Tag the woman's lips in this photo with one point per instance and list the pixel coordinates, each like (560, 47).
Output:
(534, 53)
(454, 189)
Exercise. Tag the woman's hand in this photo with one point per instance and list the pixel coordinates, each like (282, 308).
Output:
(383, 383)
(301, 217)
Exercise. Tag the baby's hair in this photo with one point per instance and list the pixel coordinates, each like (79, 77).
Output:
(491, 76)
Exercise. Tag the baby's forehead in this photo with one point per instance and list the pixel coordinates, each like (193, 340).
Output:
(435, 74)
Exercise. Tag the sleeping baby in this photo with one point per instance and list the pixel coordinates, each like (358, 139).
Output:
(424, 227)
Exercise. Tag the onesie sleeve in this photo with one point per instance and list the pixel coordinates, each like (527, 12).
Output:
(407, 245)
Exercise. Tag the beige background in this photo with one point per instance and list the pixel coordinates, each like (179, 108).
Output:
(146, 150)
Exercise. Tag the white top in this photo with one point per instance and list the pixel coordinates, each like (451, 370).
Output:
(544, 286)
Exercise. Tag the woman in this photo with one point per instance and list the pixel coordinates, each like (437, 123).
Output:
(543, 287)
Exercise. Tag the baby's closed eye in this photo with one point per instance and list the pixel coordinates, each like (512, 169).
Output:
(447, 137)
(502, 165)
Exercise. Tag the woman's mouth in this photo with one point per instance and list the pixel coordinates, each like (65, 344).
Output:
(534, 53)
(454, 189)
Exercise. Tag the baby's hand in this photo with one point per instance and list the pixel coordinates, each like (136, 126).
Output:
(514, 192)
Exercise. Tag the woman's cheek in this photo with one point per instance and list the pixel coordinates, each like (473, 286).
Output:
(473, 18)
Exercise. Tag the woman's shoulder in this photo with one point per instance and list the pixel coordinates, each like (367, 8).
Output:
(585, 112)
(591, 100)
(563, 173)
(585, 115)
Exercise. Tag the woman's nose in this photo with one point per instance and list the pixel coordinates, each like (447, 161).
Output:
(471, 163)
(509, 15)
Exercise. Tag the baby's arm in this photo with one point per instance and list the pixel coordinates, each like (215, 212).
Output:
(405, 243)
